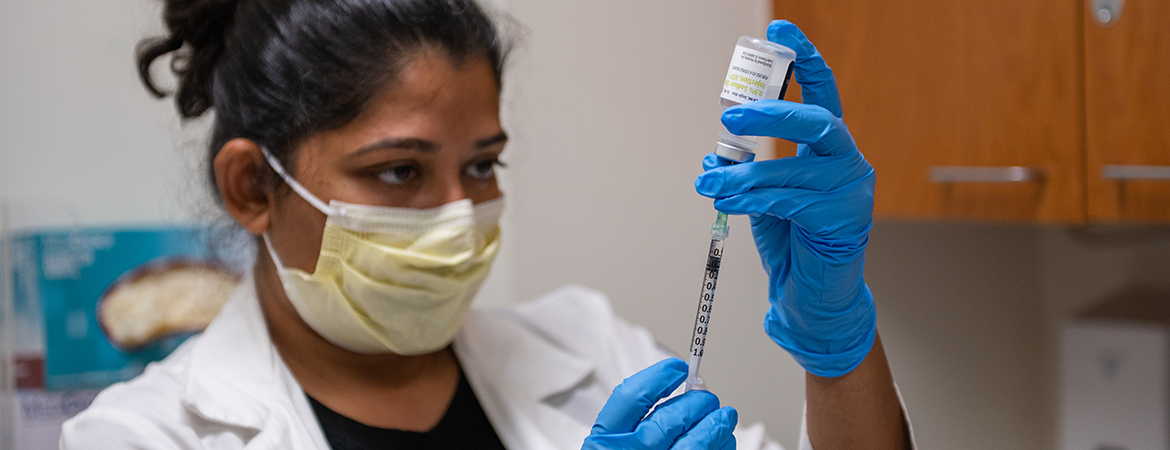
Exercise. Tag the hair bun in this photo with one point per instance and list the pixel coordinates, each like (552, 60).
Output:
(196, 33)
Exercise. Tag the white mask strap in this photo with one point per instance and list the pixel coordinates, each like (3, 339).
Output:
(296, 187)
(271, 252)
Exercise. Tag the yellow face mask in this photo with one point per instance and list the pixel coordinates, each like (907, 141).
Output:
(394, 280)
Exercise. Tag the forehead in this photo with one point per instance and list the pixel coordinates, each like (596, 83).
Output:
(433, 94)
(432, 98)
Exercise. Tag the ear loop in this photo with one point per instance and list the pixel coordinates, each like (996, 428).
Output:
(272, 253)
(301, 191)
(296, 187)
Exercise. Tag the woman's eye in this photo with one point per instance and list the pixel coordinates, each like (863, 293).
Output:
(484, 169)
(397, 175)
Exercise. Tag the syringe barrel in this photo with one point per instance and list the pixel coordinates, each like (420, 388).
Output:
(706, 298)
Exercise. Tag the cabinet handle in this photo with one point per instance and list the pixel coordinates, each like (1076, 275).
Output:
(1135, 173)
(977, 174)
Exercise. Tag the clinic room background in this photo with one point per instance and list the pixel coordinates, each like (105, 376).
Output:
(611, 105)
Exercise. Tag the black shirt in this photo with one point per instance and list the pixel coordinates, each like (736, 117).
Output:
(464, 425)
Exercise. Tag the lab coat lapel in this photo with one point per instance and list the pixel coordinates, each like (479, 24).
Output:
(514, 372)
(236, 378)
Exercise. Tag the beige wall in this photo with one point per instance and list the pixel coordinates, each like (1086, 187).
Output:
(959, 312)
(611, 105)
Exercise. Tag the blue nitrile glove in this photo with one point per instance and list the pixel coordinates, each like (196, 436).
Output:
(810, 215)
(692, 420)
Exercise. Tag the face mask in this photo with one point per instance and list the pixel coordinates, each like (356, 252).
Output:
(392, 279)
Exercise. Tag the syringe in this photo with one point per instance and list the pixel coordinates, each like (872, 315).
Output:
(733, 149)
(706, 299)
(759, 70)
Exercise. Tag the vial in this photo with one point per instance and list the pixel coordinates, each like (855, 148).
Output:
(760, 69)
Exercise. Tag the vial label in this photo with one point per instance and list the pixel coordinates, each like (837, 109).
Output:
(748, 75)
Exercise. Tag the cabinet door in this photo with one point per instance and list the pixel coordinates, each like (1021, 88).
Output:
(1127, 78)
(957, 83)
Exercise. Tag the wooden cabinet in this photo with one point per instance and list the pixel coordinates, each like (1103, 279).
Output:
(997, 109)
(1127, 119)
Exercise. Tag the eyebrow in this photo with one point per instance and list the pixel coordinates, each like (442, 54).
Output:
(424, 146)
(500, 138)
(398, 143)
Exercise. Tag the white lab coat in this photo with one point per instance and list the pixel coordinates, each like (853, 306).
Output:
(541, 371)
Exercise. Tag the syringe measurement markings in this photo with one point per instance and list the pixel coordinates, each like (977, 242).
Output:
(706, 297)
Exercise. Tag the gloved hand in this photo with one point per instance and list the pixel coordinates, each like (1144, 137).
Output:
(692, 420)
(810, 215)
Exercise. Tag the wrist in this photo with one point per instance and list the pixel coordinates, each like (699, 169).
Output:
(826, 343)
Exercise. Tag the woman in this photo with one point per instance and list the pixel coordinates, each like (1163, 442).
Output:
(357, 140)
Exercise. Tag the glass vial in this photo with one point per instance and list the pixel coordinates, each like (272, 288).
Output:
(760, 69)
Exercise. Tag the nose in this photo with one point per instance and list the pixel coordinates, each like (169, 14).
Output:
(447, 190)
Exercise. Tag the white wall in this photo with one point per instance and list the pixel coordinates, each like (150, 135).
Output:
(76, 127)
(612, 104)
